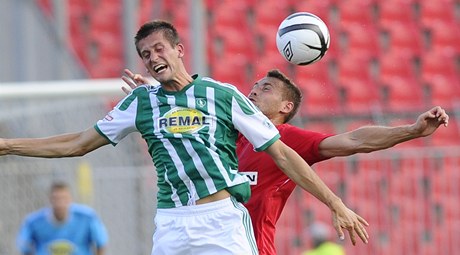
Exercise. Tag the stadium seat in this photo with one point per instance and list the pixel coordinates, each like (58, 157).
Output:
(443, 90)
(402, 95)
(446, 136)
(404, 39)
(319, 8)
(229, 14)
(360, 40)
(356, 66)
(233, 41)
(432, 12)
(356, 12)
(319, 98)
(324, 127)
(396, 12)
(395, 65)
(445, 37)
(318, 71)
(437, 63)
(268, 61)
(233, 70)
(359, 96)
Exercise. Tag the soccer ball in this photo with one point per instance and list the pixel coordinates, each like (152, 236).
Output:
(303, 38)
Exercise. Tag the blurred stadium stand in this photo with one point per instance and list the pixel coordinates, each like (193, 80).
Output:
(388, 61)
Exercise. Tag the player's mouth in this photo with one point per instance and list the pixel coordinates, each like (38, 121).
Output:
(160, 68)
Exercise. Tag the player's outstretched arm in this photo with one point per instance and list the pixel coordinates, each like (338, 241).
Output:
(66, 145)
(302, 174)
(373, 138)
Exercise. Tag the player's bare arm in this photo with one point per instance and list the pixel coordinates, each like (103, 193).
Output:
(373, 138)
(304, 176)
(65, 145)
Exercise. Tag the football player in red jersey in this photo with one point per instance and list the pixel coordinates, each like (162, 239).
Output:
(279, 99)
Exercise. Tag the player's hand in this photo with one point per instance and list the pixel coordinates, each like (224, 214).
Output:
(132, 80)
(429, 121)
(344, 218)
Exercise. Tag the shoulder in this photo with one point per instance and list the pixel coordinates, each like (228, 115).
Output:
(82, 210)
(36, 215)
(146, 88)
(289, 129)
(210, 82)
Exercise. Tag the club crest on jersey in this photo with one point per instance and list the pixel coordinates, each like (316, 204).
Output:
(59, 247)
(201, 102)
(183, 120)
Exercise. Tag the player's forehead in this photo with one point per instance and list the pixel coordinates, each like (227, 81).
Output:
(269, 81)
(154, 39)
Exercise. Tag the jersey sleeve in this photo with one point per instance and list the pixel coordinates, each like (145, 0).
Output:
(305, 143)
(119, 122)
(252, 123)
(99, 234)
(24, 241)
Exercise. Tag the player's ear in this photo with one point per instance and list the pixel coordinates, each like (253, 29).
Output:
(287, 107)
(180, 49)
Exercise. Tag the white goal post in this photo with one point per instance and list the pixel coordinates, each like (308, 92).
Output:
(48, 89)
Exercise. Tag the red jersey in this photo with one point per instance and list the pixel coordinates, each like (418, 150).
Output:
(270, 187)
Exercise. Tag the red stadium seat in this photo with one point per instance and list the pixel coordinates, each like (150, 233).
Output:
(233, 41)
(359, 39)
(444, 91)
(268, 61)
(395, 65)
(356, 12)
(359, 96)
(356, 66)
(229, 14)
(445, 37)
(266, 23)
(446, 136)
(317, 71)
(232, 69)
(324, 127)
(405, 40)
(396, 12)
(432, 12)
(402, 95)
(438, 64)
(319, 98)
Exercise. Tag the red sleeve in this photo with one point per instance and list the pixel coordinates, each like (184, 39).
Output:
(304, 142)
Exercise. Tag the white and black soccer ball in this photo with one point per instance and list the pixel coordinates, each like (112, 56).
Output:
(303, 38)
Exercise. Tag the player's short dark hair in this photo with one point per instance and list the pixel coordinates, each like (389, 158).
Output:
(59, 185)
(168, 29)
(291, 92)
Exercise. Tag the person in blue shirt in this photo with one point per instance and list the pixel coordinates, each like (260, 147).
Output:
(65, 228)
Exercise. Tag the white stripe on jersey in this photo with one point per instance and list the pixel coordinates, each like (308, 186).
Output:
(212, 111)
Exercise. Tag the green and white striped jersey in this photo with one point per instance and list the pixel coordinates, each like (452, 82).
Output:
(191, 136)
